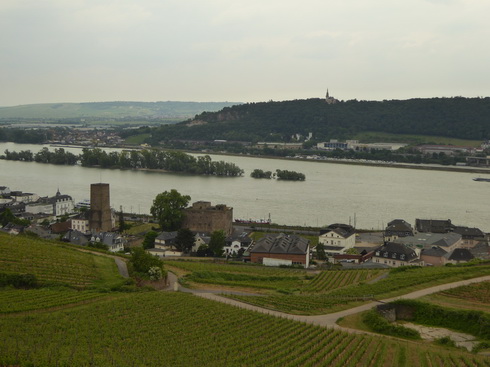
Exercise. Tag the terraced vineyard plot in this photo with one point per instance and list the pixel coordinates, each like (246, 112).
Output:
(397, 282)
(478, 292)
(333, 279)
(19, 300)
(238, 275)
(175, 329)
(236, 268)
(299, 304)
(49, 262)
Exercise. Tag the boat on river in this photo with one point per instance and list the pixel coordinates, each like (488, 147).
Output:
(481, 179)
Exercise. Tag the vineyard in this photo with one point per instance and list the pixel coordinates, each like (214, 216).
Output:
(271, 278)
(53, 263)
(396, 283)
(176, 329)
(20, 300)
(478, 292)
(328, 280)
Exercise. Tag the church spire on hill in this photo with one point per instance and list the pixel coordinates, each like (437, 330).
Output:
(330, 100)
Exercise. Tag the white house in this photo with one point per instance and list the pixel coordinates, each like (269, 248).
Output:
(337, 239)
(63, 204)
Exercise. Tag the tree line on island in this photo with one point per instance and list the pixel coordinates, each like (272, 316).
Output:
(279, 174)
(172, 161)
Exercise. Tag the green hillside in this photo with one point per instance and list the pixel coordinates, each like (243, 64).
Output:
(54, 264)
(111, 110)
(462, 118)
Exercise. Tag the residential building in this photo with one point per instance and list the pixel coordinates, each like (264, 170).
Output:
(281, 249)
(447, 241)
(237, 244)
(471, 236)
(397, 228)
(395, 255)
(114, 241)
(63, 204)
(460, 255)
(165, 240)
(337, 238)
(433, 225)
(435, 256)
(81, 223)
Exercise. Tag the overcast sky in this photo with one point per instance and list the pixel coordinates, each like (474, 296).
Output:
(241, 51)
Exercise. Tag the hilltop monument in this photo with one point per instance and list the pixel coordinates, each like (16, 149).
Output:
(100, 216)
(330, 100)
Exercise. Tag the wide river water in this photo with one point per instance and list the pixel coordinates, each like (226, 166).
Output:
(363, 195)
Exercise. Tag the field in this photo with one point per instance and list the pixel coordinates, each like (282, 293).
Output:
(176, 329)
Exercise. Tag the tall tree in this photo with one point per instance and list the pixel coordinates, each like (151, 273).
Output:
(184, 240)
(149, 241)
(168, 208)
(217, 242)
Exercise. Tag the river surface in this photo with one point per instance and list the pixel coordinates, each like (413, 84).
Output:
(366, 196)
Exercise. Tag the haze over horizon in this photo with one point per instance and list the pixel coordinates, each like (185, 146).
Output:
(87, 51)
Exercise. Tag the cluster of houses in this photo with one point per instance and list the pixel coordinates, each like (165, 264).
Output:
(58, 217)
(428, 243)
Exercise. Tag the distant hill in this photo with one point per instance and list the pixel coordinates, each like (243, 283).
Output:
(112, 110)
(458, 117)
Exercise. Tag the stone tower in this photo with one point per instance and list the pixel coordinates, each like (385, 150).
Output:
(100, 219)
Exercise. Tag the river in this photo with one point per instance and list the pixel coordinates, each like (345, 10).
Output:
(363, 195)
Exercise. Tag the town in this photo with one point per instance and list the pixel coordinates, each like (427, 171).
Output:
(206, 230)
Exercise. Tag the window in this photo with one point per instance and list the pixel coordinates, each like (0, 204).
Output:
(402, 257)
(385, 254)
(393, 256)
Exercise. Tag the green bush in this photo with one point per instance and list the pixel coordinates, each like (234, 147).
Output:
(476, 323)
(18, 280)
(380, 325)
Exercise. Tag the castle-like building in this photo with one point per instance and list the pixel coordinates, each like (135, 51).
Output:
(203, 217)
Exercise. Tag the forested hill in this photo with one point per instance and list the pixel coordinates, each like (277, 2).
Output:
(459, 117)
(111, 110)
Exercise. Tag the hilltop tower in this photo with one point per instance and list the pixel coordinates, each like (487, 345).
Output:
(100, 219)
(330, 100)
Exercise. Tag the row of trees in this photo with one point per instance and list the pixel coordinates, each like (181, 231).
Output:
(172, 161)
(59, 156)
(157, 159)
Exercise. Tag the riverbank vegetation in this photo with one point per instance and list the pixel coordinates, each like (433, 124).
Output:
(171, 161)
(279, 174)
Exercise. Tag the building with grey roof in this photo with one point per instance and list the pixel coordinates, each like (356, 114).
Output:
(290, 248)
(395, 255)
(447, 241)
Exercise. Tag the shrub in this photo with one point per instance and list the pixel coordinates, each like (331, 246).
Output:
(18, 280)
(380, 325)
